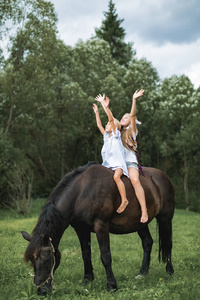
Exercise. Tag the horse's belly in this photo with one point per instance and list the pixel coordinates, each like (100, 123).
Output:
(123, 225)
(117, 230)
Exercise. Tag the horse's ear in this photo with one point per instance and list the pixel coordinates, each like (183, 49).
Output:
(26, 236)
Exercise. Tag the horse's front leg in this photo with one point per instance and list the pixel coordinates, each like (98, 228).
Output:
(147, 243)
(84, 236)
(102, 231)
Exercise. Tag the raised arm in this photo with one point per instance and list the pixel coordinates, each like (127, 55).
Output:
(98, 120)
(136, 95)
(105, 105)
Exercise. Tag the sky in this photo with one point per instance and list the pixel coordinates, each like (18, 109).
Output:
(165, 32)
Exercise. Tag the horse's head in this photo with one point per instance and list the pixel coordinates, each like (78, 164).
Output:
(44, 259)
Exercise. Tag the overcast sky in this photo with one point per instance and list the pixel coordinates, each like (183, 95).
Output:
(166, 32)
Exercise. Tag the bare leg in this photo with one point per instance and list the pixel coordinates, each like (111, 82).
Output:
(122, 190)
(134, 177)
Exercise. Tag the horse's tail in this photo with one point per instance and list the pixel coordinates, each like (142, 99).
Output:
(164, 218)
(165, 237)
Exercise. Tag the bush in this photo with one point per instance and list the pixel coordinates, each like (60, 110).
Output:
(15, 176)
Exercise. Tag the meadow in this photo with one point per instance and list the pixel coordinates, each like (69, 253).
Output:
(16, 282)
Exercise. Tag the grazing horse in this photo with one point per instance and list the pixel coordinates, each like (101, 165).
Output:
(87, 199)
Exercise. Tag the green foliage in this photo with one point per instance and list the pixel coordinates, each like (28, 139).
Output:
(9, 155)
(178, 140)
(20, 182)
(8, 11)
(126, 261)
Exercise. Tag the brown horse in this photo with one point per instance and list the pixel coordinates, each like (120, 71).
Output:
(87, 199)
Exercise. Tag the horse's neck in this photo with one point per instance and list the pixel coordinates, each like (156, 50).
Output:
(65, 203)
(51, 222)
(66, 207)
(63, 199)
(56, 237)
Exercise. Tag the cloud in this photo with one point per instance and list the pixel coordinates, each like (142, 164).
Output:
(194, 74)
(69, 9)
(162, 21)
(170, 59)
(78, 19)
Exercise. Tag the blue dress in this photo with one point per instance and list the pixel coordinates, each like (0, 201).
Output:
(113, 152)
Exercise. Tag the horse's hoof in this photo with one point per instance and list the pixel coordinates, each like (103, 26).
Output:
(139, 276)
(112, 288)
(43, 291)
(170, 270)
(87, 281)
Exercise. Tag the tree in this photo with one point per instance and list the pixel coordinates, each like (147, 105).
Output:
(25, 78)
(112, 32)
(15, 14)
(176, 108)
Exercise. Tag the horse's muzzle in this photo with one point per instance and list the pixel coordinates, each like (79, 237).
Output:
(45, 289)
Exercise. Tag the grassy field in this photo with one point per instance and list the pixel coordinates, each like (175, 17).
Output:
(16, 282)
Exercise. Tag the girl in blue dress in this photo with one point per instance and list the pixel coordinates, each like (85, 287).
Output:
(112, 151)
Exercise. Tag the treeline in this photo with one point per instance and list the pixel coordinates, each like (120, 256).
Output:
(47, 125)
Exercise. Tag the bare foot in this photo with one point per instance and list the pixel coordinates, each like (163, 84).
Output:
(144, 217)
(122, 206)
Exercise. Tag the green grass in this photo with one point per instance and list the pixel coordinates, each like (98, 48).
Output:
(16, 283)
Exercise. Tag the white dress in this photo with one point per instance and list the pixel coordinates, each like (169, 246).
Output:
(113, 153)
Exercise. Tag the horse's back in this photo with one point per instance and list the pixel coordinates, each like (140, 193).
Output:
(159, 190)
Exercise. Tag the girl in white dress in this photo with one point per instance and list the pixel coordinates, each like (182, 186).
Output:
(112, 151)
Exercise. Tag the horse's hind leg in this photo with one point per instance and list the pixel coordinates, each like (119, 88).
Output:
(84, 236)
(102, 232)
(147, 243)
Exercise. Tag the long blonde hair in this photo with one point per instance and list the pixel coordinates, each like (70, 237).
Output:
(126, 132)
(128, 140)
(127, 136)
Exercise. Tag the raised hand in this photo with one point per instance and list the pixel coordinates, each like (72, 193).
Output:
(107, 102)
(95, 108)
(100, 98)
(138, 94)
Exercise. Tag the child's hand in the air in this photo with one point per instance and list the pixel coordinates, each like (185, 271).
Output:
(95, 108)
(107, 102)
(138, 94)
(100, 98)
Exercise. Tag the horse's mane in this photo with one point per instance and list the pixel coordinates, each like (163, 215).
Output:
(67, 180)
(50, 218)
